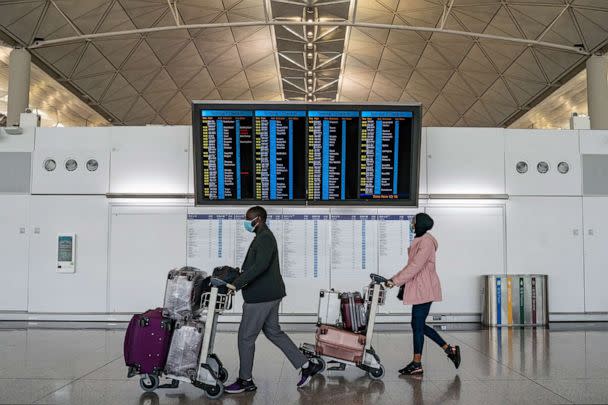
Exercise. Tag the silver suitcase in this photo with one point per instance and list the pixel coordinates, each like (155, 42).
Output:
(329, 308)
(183, 293)
(182, 361)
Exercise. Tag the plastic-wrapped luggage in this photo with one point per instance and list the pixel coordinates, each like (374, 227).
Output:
(339, 343)
(329, 308)
(147, 342)
(185, 349)
(354, 312)
(183, 293)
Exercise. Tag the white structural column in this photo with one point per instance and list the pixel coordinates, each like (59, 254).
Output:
(597, 91)
(18, 84)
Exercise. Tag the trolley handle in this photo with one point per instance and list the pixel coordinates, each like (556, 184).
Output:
(377, 278)
(217, 282)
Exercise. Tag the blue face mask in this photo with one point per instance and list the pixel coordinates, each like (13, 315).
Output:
(248, 224)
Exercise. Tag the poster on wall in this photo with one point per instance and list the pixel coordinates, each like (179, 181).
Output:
(317, 247)
(353, 243)
(394, 239)
(305, 244)
(211, 239)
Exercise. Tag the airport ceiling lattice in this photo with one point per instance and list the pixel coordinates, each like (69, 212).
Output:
(469, 62)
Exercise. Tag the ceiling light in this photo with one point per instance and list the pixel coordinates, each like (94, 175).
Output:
(309, 55)
(310, 10)
(309, 88)
(309, 81)
(309, 94)
(309, 73)
(309, 34)
(309, 45)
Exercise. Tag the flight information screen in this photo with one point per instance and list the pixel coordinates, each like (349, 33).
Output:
(280, 142)
(226, 154)
(306, 153)
(385, 157)
(333, 147)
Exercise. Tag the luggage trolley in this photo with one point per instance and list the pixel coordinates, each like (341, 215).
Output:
(211, 374)
(374, 296)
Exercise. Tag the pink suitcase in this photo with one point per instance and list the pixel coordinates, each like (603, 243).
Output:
(339, 343)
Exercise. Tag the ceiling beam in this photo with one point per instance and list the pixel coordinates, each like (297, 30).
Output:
(476, 35)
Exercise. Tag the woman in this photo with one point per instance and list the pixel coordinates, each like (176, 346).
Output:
(422, 288)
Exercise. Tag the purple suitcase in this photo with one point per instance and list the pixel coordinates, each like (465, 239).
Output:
(147, 342)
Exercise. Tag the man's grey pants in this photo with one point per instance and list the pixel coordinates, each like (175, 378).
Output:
(264, 316)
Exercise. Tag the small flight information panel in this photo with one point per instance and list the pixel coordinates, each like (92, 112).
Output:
(280, 143)
(386, 147)
(333, 147)
(226, 140)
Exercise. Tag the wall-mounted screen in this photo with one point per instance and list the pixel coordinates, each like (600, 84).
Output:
(386, 149)
(298, 153)
(333, 147)
(279, 139)
(226, 154)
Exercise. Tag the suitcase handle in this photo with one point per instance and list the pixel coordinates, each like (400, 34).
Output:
(362, 340)
(323, 331)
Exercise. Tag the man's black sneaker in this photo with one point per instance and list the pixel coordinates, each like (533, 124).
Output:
(453, 353)
(412, 369)
(239, 386)
(308, 372)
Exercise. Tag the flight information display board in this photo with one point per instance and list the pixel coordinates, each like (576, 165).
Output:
(333, 147)
(226, 153)
(306, 153)
(279, 141)
(385, 154)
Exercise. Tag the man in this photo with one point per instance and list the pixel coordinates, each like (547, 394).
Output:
(263, 290)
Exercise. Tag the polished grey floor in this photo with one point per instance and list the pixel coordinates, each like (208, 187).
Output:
(77, 364)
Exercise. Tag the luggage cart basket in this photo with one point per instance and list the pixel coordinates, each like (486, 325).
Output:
(370, 362)
(211, 374)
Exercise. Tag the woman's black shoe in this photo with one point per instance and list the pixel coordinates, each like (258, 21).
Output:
(453, 353)
(412, 369)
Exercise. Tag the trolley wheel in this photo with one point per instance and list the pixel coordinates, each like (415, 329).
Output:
(223, 374)
(216, 391)
(149, 382)
(377, 373)
(321, 362)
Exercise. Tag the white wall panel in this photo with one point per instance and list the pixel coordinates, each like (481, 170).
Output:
(471, 244)
(149, 160)
(544, 236)
(80, 144)
(145, 243)
(84, 290)
(533, 147)
(18, 143)
(594, 142)
(14, 233)
(465, 161)
(596, 253)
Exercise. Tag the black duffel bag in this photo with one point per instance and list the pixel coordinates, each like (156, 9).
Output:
(224, 273)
